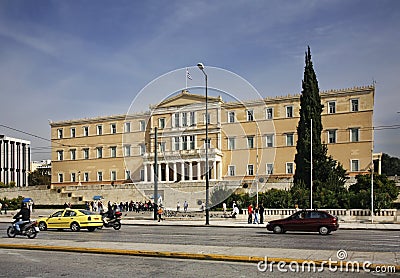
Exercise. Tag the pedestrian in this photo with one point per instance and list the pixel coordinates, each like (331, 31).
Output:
(261, 211)
(224, 207)
(178, 206)
(160, 211)
(255, 212)
(1, 206)
(235, 211)
(185, 206)
(250, 212)
(5, 208)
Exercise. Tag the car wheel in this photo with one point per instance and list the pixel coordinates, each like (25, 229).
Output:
(42, 226)
(278, 229)
(91, 229)
(75, 227)
(324, 230)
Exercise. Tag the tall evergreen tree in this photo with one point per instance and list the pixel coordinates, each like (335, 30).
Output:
(310, 108)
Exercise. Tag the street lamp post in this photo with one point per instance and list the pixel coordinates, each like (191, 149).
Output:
(201, 67)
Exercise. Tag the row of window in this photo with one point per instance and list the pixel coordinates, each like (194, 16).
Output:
(100, 129)
(269, 139)
(269, 169)
(74, 177)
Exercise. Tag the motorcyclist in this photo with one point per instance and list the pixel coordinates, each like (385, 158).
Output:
(24, 215)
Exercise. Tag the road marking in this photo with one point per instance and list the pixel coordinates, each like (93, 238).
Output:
(392, 245)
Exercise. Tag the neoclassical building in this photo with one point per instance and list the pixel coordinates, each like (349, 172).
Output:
(15, 159)
(248, 140)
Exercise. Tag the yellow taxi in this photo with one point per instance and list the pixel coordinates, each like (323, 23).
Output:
(73, 219)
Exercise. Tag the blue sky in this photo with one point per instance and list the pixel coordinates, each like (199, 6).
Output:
(64, 60)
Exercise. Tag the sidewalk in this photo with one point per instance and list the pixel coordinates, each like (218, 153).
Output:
(217, 253)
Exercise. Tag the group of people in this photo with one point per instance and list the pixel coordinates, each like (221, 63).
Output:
(185, 206)
(98, 206)
(254, 213)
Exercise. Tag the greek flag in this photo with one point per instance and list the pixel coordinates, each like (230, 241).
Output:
(188, 74)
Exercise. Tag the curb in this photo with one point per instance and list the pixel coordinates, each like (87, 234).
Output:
(261, 261)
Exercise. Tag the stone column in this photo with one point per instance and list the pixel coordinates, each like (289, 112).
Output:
(191, 170)
(167, 171)
(152, 172)
(198, 170)
(175, 172)
(215, 169)
(145, 172)
(159, 172)
(183, 170)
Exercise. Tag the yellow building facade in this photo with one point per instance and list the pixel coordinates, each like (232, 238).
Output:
(248, 140)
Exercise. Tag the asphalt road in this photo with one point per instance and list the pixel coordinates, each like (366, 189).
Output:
(349, 240)
(28, 263)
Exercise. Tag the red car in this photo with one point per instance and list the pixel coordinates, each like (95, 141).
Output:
(305, 221)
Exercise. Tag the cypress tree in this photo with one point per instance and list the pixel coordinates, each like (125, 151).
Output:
(310, 108)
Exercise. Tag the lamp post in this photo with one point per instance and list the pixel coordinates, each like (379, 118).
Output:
(201, 67)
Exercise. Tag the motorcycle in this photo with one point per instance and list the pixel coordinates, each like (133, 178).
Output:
(114, 222)
(29, 229)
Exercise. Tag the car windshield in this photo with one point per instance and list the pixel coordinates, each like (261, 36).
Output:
(86, 212)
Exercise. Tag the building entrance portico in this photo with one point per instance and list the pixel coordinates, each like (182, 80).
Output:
(189, 169)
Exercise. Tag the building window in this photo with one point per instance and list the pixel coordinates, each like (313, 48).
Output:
(208, 142)
(176, 120)
(289, 139)
(59, 133)
(289, 111)
(331, 107)
(332, 136)
(269, 138)
(355, 167)
(354, 134)
(60, 155)
(73, 177)
(270, 168)
(99, 152)
(208, 119)
(85, 131)
(161, 123)
(231, 143)
(250, 142)
(86, 153)
(73, 132)
(289, 167)
(250, 169)
(99, 130)
(161, 147)
(127, 127)
(231, 170)
(231, 117)
(176, 143)
(192, 118)
(99, 176)
(113, 128)
(60, 177)
(192, 142)
(184, 143)
(141, 174)
(269, 113)
(86, 177)
(127, 174)
(127, 150)
(73, 154)
(354, 105)
(250, 115)
(142, 149)
(184, 119)
(142, 125)
(113, 151)
(113, 175)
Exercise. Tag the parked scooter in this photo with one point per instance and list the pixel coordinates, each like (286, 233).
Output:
(114, 221)
(29, 229)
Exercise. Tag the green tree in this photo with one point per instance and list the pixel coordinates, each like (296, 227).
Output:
(329, 177)
(38, 177)
(385, 192)
(310, 108)
(390, 165)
